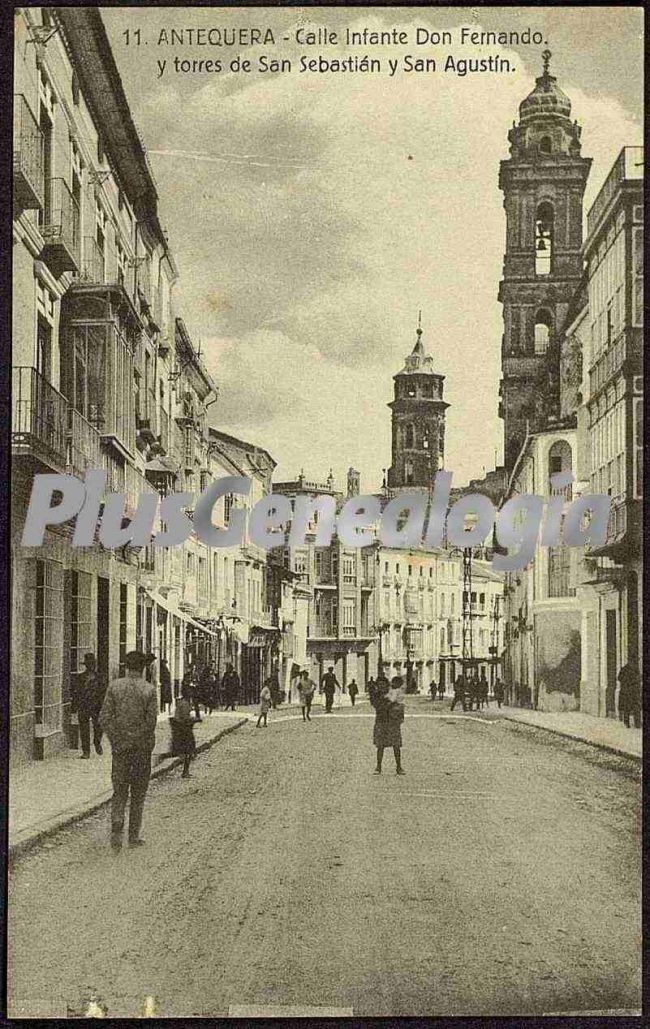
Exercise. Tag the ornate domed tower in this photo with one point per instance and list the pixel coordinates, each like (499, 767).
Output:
(543, 182)
(418, 422)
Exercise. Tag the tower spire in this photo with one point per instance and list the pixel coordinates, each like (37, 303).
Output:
(546, 57)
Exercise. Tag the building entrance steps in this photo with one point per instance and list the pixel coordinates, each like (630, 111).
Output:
(607, 733)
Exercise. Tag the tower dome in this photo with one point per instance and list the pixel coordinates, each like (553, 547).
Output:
(546, 99)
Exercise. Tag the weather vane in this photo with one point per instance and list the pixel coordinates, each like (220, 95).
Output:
(546, 56)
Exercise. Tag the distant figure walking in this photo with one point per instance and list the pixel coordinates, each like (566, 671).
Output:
(230, 687)
(166, 697)
(483, 691)
(306, 690)
(460, 693)
(182, 726)
(498, 692)
(441, 691)
(629, 696)
(128, 717)
(388, 702)
(265, 703)
(353, 690)
(433, 689)
(329, 686)
(87, 697)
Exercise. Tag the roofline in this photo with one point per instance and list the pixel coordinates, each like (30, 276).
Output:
(242, 443)
(72, 19)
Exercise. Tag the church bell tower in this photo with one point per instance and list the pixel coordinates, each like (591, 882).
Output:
(418, 421)
(543, 183)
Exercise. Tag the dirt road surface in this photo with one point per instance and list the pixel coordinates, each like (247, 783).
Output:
(500, 875)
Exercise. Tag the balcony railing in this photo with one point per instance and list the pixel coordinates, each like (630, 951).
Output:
(39, 418)
(29, 152)
(84, 449)
(164, 431)
(94, 263)
(60, 228)
(628, 165)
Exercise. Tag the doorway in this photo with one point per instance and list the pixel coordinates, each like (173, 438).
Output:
(103, 627)
(610, 652)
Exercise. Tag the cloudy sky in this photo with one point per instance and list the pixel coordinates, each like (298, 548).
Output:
(312, 216)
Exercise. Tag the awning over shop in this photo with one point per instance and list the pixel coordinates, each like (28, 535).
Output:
(261, 635)
(164, 603)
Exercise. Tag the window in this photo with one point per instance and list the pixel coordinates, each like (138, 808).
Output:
(408, 472)
(481, 599)
(123, 626)
(545, 145)
(638, 447)
(227, 507)
(637, 269)
(44, 348)
(48, 642)
(559, 572)
(386, 567)
(442, 605)
(543, 324)
(409, 436)
(544, 239)
(431, 573)
(559, 460)
(75, 99)
(410, 569)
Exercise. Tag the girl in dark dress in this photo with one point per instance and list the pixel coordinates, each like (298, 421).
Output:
(182, 726)
(388, 703)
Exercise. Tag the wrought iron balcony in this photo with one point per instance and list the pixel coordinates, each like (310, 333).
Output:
(84, 444)
(94, 263)
(60, 228)
(39, 419)
(29, 153)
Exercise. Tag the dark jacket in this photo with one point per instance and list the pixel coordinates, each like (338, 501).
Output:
(87, 693)
(230, 683)
(129, 714)
(329, 683)
(389, 716)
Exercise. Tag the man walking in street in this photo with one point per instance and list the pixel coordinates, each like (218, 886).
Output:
(498, 692)
(128, 717)
(459, 693)
(629, 695)
(230, 687)
(353, 690)
(329, 686)
(87, 696)
(306, 690)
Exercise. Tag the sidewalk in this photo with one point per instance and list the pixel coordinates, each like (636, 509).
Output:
(46, 795)
(607, 733)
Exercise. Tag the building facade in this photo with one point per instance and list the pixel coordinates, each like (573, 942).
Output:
(105, 376)
(573, 616)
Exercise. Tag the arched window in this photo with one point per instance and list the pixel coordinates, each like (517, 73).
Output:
(544, 239)
(545, 145)
(559, 460)
(543, 322)
(409, 436)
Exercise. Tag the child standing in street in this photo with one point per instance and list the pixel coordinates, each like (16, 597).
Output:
(265, 704)
(182, 726)
(306, 690)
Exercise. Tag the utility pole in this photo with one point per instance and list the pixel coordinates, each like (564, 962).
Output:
(495, 637)
(468, 639)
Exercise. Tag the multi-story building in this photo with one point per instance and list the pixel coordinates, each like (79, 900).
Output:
(92, 325)
(341, 630)
(573, 615)
(106, 376)
(611, 417)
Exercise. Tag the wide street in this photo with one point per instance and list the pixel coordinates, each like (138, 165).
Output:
(500, 875)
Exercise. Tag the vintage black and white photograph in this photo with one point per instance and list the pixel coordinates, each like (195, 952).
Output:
(326, 443)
